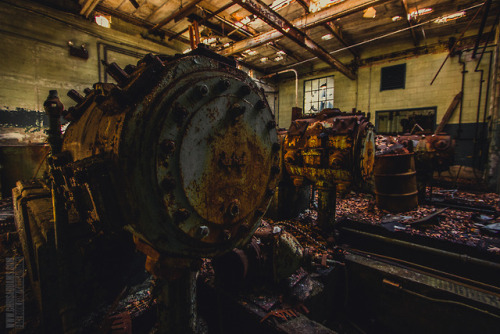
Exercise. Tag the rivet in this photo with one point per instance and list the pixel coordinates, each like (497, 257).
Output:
(245, 90)
(224, 84)
(237, 110)
(203, 90)
(168, 146)
(202, 232)
(234, 208)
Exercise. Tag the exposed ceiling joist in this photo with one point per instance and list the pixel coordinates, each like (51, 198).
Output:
(337, 33)
(88, 6)
(406, 13)
(206, 18)
(181, 13)
(278, 47)
(331, 27)
(286, 28)
(305, 22)
(137, 21)
(305, 4)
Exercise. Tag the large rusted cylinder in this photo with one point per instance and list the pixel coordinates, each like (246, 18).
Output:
(396, 182)
(182, 152)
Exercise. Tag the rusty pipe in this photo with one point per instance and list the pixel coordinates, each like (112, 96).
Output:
(296, 84)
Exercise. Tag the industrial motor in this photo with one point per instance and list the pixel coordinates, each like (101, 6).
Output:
(182, 152)
(333, 147)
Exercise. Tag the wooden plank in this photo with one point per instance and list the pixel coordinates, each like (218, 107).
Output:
(446, 117)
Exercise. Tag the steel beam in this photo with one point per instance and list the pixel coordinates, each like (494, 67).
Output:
(305, 22)
(286, 28)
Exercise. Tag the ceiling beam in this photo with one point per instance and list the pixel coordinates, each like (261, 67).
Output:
(305, 22)
(181, 13)
(277, 46)
(406, 13)
(337, 33)
(137, 21)
(206, 18)
(305, 4)
(216, 28)
(331, 28)
(286, 28)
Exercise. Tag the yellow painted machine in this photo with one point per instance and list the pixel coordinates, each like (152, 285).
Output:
(333, 151)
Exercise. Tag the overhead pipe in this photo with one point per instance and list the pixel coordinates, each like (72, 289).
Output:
(296, 84)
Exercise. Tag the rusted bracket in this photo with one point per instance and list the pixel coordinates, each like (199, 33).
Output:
(278, 22)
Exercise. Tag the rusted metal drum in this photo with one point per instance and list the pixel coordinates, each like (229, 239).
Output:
(396, 182)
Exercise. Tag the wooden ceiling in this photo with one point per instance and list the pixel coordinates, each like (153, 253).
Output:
(271, 35)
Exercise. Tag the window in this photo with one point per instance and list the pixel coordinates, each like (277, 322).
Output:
(318, 94)
(393, 77)
(405, 120)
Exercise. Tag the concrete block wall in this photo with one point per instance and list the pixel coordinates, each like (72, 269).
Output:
(364, 93)
(34, 58)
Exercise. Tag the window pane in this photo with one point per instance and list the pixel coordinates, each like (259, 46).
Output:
(329, 94)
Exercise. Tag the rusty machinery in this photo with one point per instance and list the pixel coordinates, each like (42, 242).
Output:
(332, 150)
(182, 152)
(433, 152)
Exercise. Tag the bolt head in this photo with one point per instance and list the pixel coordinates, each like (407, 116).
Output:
(224, 84)
(259, 105)
(202, 232)
(168, 146)
(181, 215)
(203, 90)
(245, 90)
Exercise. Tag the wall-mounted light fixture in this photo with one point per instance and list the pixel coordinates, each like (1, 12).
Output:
(80, 52)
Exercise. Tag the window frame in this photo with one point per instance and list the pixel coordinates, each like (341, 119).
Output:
(332, 99)
(382, 89)
(378, 112)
